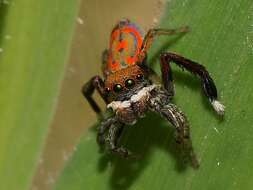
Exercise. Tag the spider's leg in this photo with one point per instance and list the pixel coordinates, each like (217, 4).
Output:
(105, 55)
(88, 89)
(112, 139)
(167, 77)
(103, 128)
(197, 69)
(152, 33)
(179, 121)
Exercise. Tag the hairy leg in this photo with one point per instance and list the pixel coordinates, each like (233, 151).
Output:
(195, 68)
(152, 33)
(109, 133)
(112, 139)
(179, 121)
(103, 128)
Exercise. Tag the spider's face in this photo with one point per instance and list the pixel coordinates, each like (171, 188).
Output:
(124, 82)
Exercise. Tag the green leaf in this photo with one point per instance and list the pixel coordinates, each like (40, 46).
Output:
(221, 38)
(34, 41)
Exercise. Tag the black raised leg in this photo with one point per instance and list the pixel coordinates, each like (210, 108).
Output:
(167, 78)
(195, 68)
(88, 89)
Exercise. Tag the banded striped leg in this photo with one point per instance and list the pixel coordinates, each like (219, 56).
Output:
(113, 136)
(109, 133)
(179, 121)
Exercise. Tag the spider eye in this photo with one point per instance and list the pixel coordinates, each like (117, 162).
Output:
(129, 83)
(139, 76)
(117, 88)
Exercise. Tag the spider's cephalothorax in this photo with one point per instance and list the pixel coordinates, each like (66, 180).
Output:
(128, 90)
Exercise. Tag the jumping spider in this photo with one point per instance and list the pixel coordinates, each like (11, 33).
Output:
(130, 93)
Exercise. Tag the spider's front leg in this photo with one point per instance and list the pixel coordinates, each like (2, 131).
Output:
(195, 68)
(88, 89)
(179, 121)
(109, 133)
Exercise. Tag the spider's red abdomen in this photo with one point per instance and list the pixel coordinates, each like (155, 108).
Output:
(125, 45)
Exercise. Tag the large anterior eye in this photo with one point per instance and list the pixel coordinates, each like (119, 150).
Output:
(129, 83)
(117, 88)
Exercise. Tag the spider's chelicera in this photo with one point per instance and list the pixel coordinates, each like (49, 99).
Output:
(128, 90)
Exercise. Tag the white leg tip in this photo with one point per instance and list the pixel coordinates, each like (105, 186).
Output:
(218, 107)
